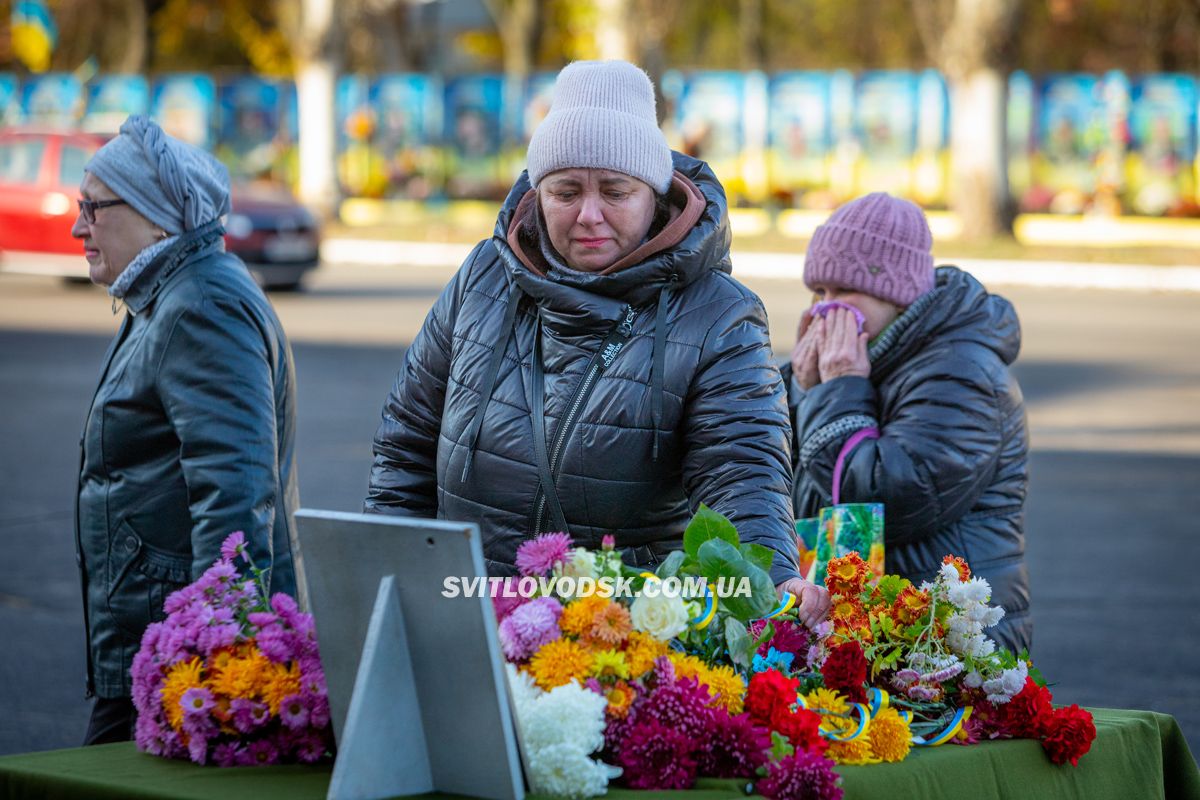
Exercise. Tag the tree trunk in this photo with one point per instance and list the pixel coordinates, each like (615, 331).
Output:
(978, 174)
(970, 41)
(750, 21)
(516, 22)
(132, 59)
(316, 53)
(613, 35)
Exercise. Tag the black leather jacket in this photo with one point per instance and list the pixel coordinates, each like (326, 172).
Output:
(951, 466)
(714, 407)
(189, 438)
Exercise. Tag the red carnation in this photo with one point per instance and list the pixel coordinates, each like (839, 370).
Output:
(768, 691)
(1069, 734)
(802, 728)
(1027, 714)
(845, 671)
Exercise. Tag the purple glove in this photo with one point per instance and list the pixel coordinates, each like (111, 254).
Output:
(823, 308)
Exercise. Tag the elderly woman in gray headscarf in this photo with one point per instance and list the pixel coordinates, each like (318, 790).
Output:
(190, 436)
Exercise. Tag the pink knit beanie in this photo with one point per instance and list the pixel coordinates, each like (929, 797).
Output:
(879, 245)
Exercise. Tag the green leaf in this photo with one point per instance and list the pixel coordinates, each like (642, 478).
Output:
(890, 586)
(741, 646)
(781, 748)
(720, 559)
(760, 556)
(705, 526)
(669, 568)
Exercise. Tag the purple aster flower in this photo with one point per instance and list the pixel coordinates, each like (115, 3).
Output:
(226, 754)
(538, 556)
(198, 749)
(318, 713)
(219, 576)
(293, 712)
(262, 619)
(285, 606)
(311, 747)
(801, 776)
(529, 627)
(275, 642)
(258, 754)
(196, 700)
(248, 714)
(234, 546)
(506, 598)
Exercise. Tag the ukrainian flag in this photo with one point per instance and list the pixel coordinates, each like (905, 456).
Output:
(34, 34)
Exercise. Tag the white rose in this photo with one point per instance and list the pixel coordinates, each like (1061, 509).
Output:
(661, 616)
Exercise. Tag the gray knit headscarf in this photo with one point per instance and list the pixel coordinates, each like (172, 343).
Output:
(173, 184)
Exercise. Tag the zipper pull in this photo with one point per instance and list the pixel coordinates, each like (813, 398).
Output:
(626, 326)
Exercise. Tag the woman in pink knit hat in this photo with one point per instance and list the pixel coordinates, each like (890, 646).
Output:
(906, 369)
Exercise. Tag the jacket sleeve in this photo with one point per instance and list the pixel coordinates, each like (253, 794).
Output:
(937, 451)
(216, 385)
(737, 459)
(403, 478)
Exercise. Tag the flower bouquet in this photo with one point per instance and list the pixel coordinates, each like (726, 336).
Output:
(228, 678)
(718, 679)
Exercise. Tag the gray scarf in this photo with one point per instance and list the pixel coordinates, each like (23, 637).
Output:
(136, 267)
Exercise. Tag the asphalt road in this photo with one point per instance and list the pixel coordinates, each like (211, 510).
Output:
(1112, 382)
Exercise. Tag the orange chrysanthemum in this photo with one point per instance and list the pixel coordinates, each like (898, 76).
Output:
(620, 698)
(610, 625)
(959, 564)
(911, 604)
(847, 575)
(577, 617)
(560, 662)
(281, 682)
(845, 606)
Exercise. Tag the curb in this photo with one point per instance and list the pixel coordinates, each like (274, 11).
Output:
(786, 266)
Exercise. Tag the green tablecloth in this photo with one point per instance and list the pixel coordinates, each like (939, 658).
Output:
(1137, 754)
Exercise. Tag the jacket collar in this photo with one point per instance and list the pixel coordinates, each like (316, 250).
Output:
(187, 247)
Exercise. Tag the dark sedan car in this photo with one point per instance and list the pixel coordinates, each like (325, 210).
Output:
(40, 173)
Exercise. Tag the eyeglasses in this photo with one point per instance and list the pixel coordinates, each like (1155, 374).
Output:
(89, 208)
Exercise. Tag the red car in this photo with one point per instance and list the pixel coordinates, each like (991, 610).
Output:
(40, 173)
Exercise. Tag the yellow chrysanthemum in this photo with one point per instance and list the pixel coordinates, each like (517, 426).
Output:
(282, 681)
(853, 752)
(620, 699)
(577, 617)
(244, 674)
(609, 664)
(610, 625)
(560, 662)
(847, 575)
(890, 737)
(181, 677)
(686, 666)
(826, 701)
(726, 687)
(640, 651)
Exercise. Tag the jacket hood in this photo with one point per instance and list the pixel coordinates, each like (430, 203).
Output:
(958, 309)
(678, 257)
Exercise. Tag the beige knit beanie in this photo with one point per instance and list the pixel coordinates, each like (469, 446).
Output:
(602, 117)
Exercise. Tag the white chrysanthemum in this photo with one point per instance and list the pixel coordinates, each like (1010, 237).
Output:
(568, 714)
(927, 587)
(524, 690)
(993, 616)
(961, 625)
(980, 646)
(1008, 683)
(949, 574)
(560, 770)
(973, 680)
(974, 590)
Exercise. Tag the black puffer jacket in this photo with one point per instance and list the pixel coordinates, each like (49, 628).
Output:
(189, 438)
(951, 465)
(695, 382)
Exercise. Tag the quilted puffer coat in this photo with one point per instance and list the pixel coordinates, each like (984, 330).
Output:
(951, 464)
(658, 393)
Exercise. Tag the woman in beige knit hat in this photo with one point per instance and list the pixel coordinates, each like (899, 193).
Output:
(593, 367)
